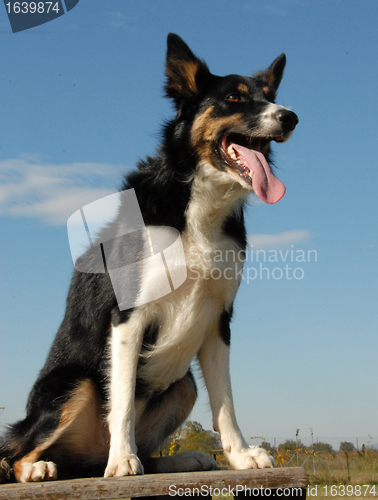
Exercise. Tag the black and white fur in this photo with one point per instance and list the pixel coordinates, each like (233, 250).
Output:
(117, 383)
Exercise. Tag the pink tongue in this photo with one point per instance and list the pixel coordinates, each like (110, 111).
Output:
(265, 184)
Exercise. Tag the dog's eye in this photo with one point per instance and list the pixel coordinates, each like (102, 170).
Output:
(234, 98)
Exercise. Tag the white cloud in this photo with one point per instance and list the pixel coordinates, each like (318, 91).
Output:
(279, 240)
(118, 20)
(53, 192)
(276, 7)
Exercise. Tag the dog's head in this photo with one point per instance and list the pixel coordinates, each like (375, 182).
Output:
(232, 119)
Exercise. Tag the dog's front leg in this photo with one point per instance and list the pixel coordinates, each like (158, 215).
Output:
(214, 358)
(126, 341)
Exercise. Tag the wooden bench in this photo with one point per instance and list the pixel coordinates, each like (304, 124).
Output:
(288, 482)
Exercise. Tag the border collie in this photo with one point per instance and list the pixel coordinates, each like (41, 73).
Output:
(116, 382)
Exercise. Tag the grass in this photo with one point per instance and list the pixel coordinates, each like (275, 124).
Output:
(335, 468)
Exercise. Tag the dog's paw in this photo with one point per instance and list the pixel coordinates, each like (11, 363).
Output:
(251, 458)
(130, 465)
(38, 471)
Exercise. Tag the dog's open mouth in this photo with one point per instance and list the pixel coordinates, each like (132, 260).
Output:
(245, 160)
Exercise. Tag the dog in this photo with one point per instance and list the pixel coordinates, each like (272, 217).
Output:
(117, 383)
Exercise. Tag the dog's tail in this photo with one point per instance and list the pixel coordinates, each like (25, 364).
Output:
(5, 471)
(5, 467)
(8, 453)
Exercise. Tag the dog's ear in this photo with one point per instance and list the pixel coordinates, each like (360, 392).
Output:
(184, 71)
(273, 75)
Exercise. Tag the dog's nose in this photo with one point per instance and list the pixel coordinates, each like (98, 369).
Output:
(287, 118)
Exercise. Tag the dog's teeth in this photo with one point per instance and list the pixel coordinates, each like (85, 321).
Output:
(231, 152)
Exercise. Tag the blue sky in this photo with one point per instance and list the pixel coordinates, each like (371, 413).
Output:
(81, 101)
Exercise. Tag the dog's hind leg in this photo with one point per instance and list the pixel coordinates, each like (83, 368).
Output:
(23, 446)
(78, 443)
(31, 469)
(159, 418)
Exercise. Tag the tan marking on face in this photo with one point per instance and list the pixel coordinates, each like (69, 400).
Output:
(199, 125)
(205, 130)
(243, 88)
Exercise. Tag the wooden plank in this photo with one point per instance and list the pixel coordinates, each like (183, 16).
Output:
(155, 484)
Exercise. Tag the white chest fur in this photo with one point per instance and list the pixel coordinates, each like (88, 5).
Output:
(214, 265)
